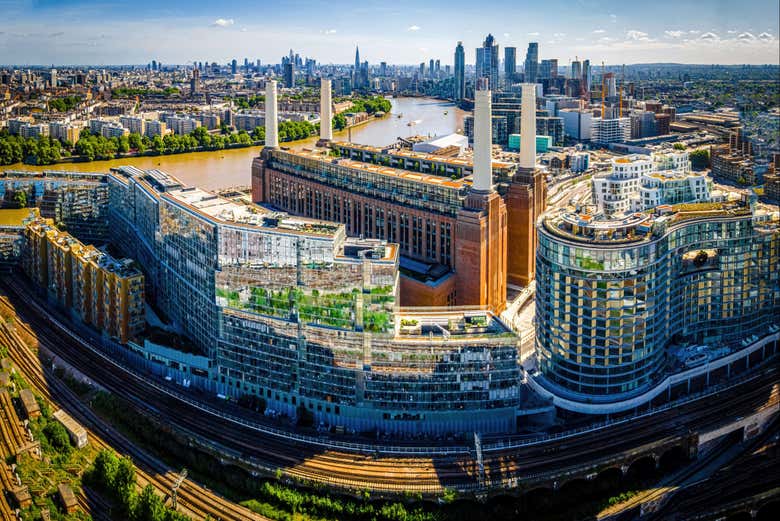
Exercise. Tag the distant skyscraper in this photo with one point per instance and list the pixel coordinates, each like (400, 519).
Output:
(459, 91)
(234, 66)
(487, 62)
(586, 75)
(548, 69)
(289, 74)
(510, 63)
(438, 67)
(383, 69)
(532, 63)
(356, 70)
(576, 70)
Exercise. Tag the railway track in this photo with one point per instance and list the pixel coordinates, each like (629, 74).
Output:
(194, 500)
(358, 471)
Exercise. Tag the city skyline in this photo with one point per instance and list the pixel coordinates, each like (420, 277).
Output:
(404, 33)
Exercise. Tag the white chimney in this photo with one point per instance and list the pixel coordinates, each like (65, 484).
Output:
(271, 118)
(483, 141)
(528, 127)
(326, 128)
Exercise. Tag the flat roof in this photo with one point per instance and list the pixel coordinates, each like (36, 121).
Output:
(408, 175)
(15, 217)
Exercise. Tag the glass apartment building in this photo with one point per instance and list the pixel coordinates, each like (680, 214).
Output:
(292, 310)
(613, 295)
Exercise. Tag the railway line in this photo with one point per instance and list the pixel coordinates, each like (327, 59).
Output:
(194, 500)
(360, 470)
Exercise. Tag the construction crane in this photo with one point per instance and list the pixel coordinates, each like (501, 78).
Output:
(175, 487)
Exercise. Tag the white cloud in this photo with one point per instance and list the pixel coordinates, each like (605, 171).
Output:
(674, 34)
(243, 29)
(329, 31)
(507, 35)
(533, 34)
(599, 31)
(732, 31)
(766, 37)
(709, 37)
(746, 37)
(694, 31)
(637, 36)
(413, 28)
(613, 18)
(222, 22)
(559, 35)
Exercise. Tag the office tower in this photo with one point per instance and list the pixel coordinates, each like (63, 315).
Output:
(510, 64)
(53, 75)
(532, 63)
(422, 70)
(481, 228)
(154, 65)
(438, 67)
(548, 69)
(576, 70)
(431, 68)
(487, 62)
(271, 122)
(356, 70)
(459, 91)
(234, 66)
(246, 64)
(383, 69)
(526, 198)
(586, 76)
(289, 74)
(326, 130)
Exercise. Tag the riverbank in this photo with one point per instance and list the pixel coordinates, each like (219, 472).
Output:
(230, 167)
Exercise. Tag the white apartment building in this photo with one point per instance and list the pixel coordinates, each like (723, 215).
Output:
(638, 182)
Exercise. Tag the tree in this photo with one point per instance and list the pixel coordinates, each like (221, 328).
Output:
(148, 506)
(57, 436)
(679, 146)
(21, 198)
(700, 158)
(339, 121)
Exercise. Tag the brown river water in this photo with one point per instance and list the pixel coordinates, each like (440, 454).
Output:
(229, 168)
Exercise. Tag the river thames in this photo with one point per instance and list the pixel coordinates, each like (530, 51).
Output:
(229, 168)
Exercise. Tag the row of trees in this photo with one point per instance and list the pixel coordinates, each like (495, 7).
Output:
(294, 504)
(91, 147)
(35, 151)
(129, 92)
(115, 477)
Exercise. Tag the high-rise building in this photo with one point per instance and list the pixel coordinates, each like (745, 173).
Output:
(431, 68)
(576, 70)
(289, 74)
(548, 69)
(586, 76)
(195, 82)
(487, 62)
(234, 66)
(532, 63)
(615, 296)
(510, 64)
(459, 91)
(383, 69)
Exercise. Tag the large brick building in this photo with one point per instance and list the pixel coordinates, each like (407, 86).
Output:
(458, 237)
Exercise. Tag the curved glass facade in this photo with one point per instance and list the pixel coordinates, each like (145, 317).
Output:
(607, 308)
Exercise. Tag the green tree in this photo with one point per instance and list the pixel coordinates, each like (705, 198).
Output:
(57, 436)
(148, 506)
(700, 159)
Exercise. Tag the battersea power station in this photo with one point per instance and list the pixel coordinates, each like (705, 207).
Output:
(465, 229)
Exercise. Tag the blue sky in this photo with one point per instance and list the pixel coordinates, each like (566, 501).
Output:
(397, 31)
